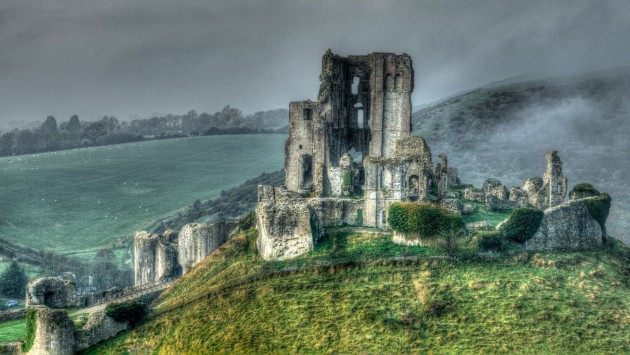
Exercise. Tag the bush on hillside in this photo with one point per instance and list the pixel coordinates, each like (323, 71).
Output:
(424, 219)
(131, 311)
(522, 224)
(491, 242)
(583, 190)
(599, 207)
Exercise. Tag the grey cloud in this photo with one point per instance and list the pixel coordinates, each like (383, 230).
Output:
(118, 57)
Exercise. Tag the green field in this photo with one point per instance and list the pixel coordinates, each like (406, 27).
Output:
(12, 330)
(83, 199)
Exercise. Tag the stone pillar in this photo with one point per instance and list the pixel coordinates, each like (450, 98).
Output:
(555, 183)
(197, 241)
(54, 334)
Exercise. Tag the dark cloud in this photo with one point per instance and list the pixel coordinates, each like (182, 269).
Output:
(119, 57)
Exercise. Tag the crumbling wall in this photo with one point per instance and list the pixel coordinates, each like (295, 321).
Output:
(555, 184)
(50, 292)
(99, 327)
(197, 241)
(155, 257)
(54, 332)
(568, 226)
(285, 230)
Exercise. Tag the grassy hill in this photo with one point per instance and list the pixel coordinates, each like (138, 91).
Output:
(360, 293)
(503, 130)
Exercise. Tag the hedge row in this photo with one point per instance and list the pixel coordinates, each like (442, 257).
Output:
(425, 219)
(583, 190)
(522, 224)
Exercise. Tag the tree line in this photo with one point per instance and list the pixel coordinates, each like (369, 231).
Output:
(51, 136)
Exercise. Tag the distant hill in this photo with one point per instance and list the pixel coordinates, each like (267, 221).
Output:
(503, 130)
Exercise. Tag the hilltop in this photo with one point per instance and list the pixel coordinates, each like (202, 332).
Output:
(359, 292)
(500, 129)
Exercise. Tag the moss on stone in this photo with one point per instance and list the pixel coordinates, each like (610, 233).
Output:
(31, 329)
(599, 207)
(522, 224)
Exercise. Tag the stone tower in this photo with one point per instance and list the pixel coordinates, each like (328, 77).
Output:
(363, 107)
(554, 183)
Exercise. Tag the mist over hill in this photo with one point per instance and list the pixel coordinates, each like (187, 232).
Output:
(504, 129)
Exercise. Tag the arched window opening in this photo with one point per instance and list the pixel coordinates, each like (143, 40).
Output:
(355, 85)
(383, 217)
(359, 112)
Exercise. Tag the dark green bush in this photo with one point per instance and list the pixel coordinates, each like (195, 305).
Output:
(31, 329)
(491, 242)
(397, 217)
(583, 190)
(599, 207)
(132, 311)
(522, 224)
(424, 219)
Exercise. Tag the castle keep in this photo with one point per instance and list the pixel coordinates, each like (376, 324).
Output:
(351, 152)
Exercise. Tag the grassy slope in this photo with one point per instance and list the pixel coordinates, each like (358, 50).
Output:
(235, 302)
(12, 330)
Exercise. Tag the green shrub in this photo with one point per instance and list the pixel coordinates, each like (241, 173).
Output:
(31, 329)
(522, 224)
(424, 219)
(491, 242)
(347, 178)
(359, 222)
(131, 311)
(583, 190)
(397, 217)
(598, 208)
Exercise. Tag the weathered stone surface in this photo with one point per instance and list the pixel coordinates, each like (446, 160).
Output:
(555, 184)
(51, 292)
(99, 327)
(452, 205)
(473, 194)
(197, 241)
(14, 348)
(285, 230)
(568, 226)
(54, 334)
(155, 257)
(468, 208)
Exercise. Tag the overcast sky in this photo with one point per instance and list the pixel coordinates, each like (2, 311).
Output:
(120, 57)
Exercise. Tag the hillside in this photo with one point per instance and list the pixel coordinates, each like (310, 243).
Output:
(361, 293)
(503, 130)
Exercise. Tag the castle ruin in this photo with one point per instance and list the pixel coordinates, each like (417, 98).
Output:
(351, 153)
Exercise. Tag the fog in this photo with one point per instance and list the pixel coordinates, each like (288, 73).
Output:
(588, 125)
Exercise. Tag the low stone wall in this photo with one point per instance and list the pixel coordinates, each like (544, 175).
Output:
(12, 315)
(99, 327)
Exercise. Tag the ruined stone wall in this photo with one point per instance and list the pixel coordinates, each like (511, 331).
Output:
(99, 327)
(304, 153)
(197, 241)
(555, 184)
(50, 292)
(285, 230)
(566, 227)
(155, 257)
(54, 333)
